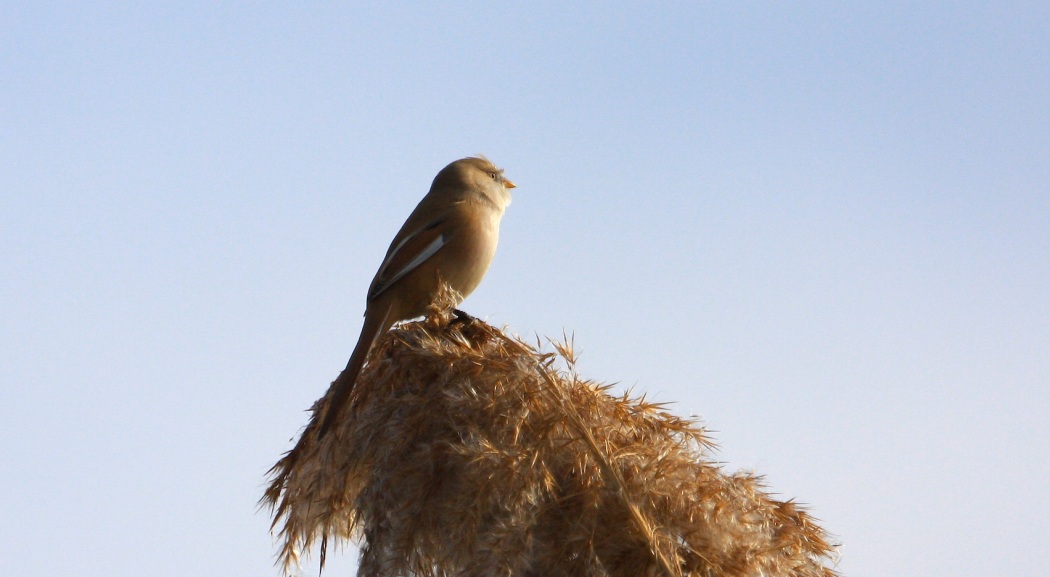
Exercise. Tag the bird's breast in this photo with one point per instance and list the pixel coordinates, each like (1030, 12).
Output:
(469, 254)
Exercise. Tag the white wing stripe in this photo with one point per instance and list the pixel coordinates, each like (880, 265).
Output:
(423, 255)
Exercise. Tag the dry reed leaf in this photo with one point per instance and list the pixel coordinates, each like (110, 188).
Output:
(468, 452)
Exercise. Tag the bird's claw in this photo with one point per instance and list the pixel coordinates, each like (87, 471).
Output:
(461, 317)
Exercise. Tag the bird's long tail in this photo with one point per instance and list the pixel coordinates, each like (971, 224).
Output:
(343, 385)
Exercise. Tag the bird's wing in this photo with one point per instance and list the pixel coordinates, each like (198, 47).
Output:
(406, 254)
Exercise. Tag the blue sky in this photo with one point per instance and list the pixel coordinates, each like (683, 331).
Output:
(823, 227)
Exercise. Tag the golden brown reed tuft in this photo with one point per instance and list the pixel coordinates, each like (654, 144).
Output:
(467, 452)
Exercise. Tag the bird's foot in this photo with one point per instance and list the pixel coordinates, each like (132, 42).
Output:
(461, 317)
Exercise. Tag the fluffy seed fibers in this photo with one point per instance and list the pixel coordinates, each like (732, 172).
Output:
(467, 452)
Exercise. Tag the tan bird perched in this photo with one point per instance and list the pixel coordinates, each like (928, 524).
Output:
(449, 238)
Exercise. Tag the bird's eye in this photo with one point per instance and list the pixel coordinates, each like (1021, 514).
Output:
(494, 176)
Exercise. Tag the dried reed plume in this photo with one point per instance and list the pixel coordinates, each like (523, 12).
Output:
(467, 452)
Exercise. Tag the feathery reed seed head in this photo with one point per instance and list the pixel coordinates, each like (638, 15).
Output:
(467, 452)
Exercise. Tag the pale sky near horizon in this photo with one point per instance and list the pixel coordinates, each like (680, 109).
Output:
(822, 227)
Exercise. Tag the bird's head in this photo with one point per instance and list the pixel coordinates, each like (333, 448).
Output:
(476, 173)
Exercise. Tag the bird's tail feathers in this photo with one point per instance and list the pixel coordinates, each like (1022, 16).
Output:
(343, 385)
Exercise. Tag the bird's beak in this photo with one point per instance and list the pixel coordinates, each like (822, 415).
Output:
(509, 184)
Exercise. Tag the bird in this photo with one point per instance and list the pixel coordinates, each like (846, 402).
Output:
(450, 237)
